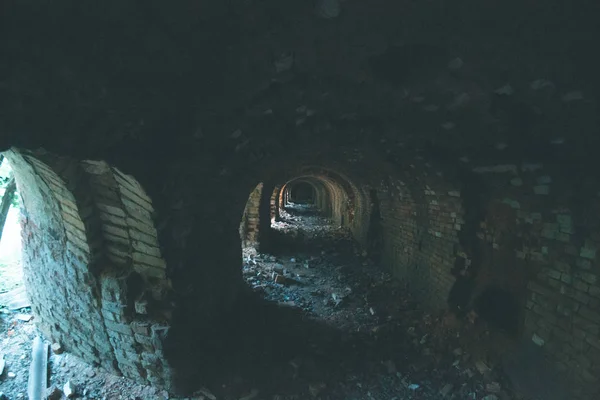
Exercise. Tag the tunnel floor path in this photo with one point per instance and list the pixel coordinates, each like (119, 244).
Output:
(377, 342)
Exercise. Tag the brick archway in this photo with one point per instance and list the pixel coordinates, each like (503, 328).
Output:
(92, 263)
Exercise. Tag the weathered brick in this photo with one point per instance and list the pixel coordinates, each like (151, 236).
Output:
(144, 248)
(592, 315)
(112, 210)
(75, 221)
(113, 220)
(594, 291)
(138, 198)
(583, 263)
(121, 328)
(116, 231)
(587, 277)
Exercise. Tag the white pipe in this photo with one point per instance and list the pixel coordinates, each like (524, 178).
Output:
(38, 371)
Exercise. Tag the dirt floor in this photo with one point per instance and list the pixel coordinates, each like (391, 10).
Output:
(332, 326)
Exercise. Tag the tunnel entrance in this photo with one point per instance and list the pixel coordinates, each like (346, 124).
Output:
(12, 289)
(500, 309)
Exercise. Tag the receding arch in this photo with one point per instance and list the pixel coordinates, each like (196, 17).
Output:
(303, 192)
(250, 224)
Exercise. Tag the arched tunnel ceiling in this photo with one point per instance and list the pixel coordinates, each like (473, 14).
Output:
(120, 76)
(200, 100)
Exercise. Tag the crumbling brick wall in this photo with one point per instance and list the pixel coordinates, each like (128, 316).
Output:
(58, 262)
(540, 238)
(89, 227)
(134, 286)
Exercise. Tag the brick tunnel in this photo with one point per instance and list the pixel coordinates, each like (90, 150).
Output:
(172, 161)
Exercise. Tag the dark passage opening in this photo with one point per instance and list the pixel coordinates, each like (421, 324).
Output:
(302, 193)
(499, 308)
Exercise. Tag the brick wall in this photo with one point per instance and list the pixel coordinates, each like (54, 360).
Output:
(420, 225)
(273, 203)
(133, 286)
(57, 262)
(250, 225)
(541, 233)
(89, 228)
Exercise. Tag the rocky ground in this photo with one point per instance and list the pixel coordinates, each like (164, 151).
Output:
(355, 334)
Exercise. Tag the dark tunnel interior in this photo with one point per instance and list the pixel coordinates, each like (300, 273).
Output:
(325, 199)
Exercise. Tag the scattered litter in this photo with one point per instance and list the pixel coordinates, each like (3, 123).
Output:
(54, 393)
(24, 317)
